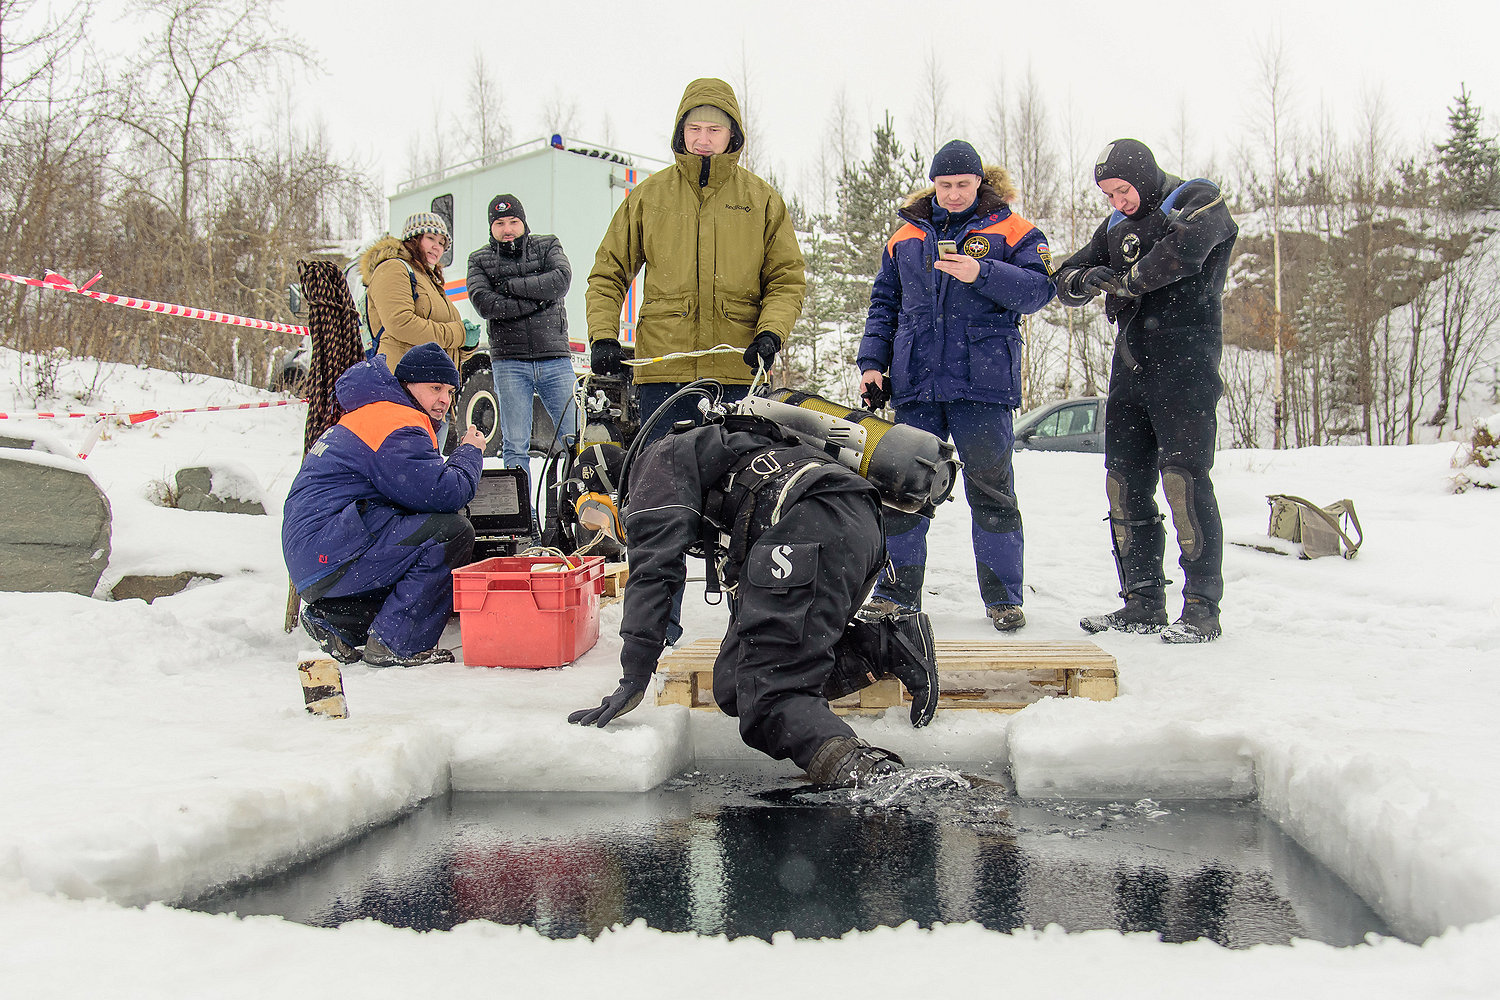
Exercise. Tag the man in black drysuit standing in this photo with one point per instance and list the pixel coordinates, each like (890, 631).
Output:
(1160, 258)
(799, 542)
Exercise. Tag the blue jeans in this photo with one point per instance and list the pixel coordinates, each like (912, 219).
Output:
(515, 381)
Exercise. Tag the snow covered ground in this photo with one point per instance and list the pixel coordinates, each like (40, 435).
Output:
(153, 751)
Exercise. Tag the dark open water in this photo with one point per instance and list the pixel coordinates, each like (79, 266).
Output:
(730, 850)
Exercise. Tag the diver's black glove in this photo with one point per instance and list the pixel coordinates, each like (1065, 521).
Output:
(638, 661)
(1102, 279)
(876, 394)
(762, 351)
(607, 357)
(625, 697)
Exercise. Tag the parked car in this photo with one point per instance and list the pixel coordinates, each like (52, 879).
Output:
(1067, 425)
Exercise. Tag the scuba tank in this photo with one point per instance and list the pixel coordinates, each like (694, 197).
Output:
(913, 469)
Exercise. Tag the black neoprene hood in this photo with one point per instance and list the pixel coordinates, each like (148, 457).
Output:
(1132, 161)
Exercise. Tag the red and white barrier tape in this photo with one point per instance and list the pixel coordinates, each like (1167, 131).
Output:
(57, 282)
(139, 416)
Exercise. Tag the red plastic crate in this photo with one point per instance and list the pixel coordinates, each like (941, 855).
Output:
(514, 612)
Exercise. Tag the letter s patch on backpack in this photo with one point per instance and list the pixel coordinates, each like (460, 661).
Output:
(782, 565)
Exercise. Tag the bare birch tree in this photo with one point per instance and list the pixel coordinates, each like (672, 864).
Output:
(935, 121)
(186, 88)
(1272, 124)
(486, 111)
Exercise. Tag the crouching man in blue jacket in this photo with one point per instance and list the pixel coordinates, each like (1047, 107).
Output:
(371, 530)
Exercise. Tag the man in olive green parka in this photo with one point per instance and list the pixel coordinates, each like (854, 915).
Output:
(721, 258)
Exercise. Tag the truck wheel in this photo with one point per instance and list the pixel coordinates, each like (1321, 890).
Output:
(477, 407)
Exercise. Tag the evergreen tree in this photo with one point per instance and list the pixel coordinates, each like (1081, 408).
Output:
(869, 192)
(1469, 162)
(813, 356)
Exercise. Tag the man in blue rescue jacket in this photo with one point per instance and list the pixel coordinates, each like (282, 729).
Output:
(946, 325)
(371, 530)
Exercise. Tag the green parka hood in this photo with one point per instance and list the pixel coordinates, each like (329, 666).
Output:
(718, 94)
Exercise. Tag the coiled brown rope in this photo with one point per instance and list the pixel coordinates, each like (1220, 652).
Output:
(333, 323)
(333, 327)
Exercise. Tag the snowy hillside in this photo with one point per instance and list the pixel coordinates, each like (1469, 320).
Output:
(156, 750)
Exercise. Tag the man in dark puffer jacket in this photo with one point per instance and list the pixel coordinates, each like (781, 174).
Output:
(517, 282)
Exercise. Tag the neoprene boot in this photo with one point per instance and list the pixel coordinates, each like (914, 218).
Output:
(849, 762)
(1199, 623)
(1143, 612)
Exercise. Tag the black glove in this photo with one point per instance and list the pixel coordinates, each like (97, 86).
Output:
(625, 697)
(607, 357)
(1102, 279)
(762, 351)
(876, 394)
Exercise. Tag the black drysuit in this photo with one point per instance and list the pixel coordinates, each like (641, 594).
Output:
(798, 541)
(1171, 257)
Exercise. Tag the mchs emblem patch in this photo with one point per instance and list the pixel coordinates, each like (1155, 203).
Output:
(976, 246)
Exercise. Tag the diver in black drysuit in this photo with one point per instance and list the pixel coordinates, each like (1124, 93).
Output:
(798, 541)
(1161, 259)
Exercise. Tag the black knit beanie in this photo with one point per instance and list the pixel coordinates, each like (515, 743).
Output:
(1132, 161)
(503, 205)
(427, 363)
(957, 157)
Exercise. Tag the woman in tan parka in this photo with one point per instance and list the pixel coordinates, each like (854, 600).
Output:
(404, 291)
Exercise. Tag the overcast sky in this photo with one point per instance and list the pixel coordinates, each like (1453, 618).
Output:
(391, 68)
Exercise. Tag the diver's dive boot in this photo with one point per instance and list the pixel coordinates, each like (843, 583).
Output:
(1199, 623)
(849, 762)
(1141, 613)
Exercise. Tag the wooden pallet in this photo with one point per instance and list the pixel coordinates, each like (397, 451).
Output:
(614, 583)
(998, 675)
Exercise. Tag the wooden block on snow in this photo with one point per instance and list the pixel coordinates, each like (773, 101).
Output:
(615, 574)
(323, 688)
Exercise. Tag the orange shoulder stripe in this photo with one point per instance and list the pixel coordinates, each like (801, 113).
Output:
(374, 422)
(906, 232)
(1012, 227)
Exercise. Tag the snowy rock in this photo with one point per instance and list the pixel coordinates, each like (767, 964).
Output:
(148, 588)
(225, 488)
(54, 519)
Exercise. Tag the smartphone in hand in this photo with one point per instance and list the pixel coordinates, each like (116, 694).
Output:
(947, 246)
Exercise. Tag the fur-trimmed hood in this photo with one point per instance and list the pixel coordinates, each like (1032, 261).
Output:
(384, 249)
(997, 191)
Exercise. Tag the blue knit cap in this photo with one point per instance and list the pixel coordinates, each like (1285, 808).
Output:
(958, 157)
(427, 363)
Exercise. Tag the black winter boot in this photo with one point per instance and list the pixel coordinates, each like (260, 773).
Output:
(1141, 613)
(336, 642)
(849, 762)
(1199, 623)
(378, 654)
